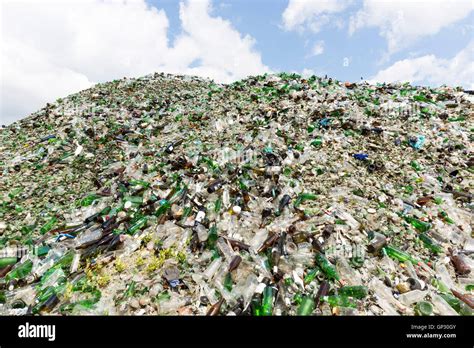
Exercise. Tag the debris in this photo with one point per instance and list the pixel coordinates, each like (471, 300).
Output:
(274, 195)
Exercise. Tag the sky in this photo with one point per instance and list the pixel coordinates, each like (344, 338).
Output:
(53, 48)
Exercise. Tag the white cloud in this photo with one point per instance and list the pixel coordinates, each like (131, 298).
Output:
(428, 69)
(318, 48)
(403, 22)
(313, 15)
(29, 80)
(53, 48)
(307, 72)
(224, 54)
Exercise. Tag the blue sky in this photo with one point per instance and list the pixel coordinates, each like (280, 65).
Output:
(284, 50)
(69, 46)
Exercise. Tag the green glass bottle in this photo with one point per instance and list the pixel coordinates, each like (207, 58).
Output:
(440, 285)
(242, 185)
(90, 302)
(48, 226)
(136, 200)
(310, 276)
(115, 211)
(65, 261)
(139, 183)
(267, 301)
(177, 194)
(443, 215)
(340, 301)
(298, 298)
(399, 255)
(164, 206)
(42, 250)
(304, 197)
(137, 225)
(6, 261)
(452, 301)
(317, 142)
(105, 211)
(328, 269)
(415, 166)
(421, 226)
(228, 283)
(215, 253)
(15, 192)
(46, 295)
(423, 308)
(88, 200)
(27, 229)
(46, 276)
(458, 305)
(186, 212)
(20, 272)
(218, 205)
(357, 291)
(430, 244)
(256, 305)
(212, 237)
(306, 307)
